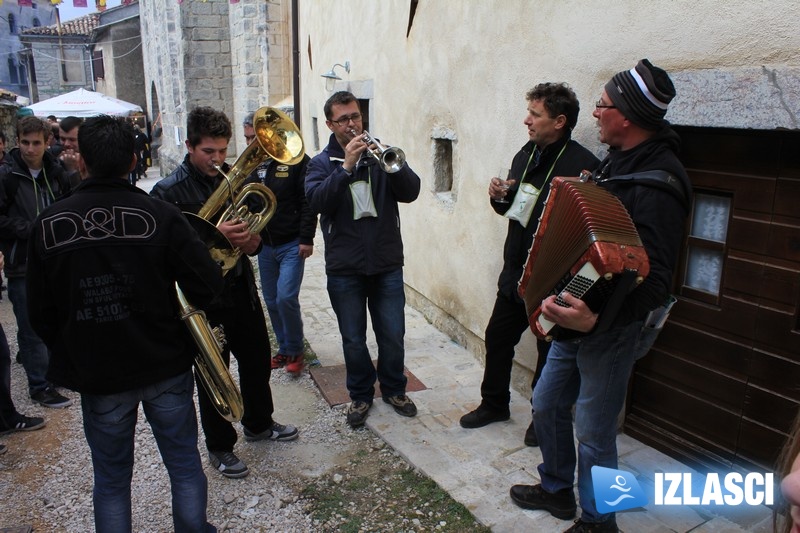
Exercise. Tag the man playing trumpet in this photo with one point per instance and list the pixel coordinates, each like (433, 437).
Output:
(358, 200)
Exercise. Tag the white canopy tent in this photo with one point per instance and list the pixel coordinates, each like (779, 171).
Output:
(83, 103)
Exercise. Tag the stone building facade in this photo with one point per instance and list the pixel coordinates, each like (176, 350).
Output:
(61, 62)
(15, 19)
(232, 57)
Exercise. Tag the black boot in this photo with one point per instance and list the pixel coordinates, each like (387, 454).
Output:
(483, 416)
(560, 504)
(609, 526)
(530, 436)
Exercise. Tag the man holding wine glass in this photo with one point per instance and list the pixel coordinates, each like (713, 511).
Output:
(519, 195)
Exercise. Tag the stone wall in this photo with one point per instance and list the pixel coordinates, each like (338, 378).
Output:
(8, 123)
(47, 56)
(212, 54)
(124, 78)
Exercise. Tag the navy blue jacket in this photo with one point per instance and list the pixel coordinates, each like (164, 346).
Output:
(367, 246)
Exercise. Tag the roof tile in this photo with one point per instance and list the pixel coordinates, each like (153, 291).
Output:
(80, 26)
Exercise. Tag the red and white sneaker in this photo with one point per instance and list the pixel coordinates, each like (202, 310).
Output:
(279, 361)
(295, 365)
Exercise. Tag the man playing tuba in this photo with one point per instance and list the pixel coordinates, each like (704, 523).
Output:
(239, 309)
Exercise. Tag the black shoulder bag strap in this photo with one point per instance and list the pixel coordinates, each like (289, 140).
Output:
(658, 178)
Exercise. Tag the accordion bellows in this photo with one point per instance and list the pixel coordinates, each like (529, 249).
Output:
(585, 244)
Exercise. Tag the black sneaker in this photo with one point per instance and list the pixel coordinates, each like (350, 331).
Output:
(357, 413)
(609, 526)
(402, 405)
(227, 463)
(50, 397)
(3, 449)
(560, 504)
(24, 423)
(276, 432)
(483, 416)
(530, 436)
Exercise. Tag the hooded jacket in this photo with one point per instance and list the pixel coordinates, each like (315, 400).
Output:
(658, 211)
(102, 268)
(22, 198)
(369, 245)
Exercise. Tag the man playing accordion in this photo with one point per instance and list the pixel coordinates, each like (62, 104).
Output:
(591, 371)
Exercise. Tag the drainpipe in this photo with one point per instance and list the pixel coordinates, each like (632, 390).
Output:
(296, 64)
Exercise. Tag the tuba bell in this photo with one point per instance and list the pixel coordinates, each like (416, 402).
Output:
(277, 137)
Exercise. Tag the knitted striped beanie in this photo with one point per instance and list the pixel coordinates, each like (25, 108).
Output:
(642, 94)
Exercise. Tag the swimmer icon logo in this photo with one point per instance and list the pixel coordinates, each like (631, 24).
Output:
(616, 490)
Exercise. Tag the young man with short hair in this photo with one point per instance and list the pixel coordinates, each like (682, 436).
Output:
(32, 182)
(239, 309)
(70, 152)
(103, 267)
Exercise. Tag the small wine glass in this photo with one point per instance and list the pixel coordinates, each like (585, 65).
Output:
(502, 176)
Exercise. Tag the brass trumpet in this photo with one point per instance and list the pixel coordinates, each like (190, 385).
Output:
(391, 158)
(278, 138)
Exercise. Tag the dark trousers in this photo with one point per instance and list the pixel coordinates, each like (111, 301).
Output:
(508, 322)
(8, 414)
(246, 336)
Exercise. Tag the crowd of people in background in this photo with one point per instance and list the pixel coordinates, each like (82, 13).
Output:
(585, 370)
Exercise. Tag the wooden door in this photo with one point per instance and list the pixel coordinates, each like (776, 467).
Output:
(721, 387)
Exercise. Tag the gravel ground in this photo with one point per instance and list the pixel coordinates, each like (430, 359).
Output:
(46, 475)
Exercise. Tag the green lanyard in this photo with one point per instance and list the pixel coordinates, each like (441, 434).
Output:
(550, 172)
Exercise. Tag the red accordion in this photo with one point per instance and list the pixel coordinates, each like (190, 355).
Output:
(586, 244)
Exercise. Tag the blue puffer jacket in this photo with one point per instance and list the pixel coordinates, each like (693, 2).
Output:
(367, 246)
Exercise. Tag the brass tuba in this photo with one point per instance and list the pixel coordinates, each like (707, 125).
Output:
(277, 137)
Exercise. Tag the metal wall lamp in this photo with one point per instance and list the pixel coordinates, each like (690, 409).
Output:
(331, 74)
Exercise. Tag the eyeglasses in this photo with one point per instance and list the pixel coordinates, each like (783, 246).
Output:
(355, 117)
(600, 105)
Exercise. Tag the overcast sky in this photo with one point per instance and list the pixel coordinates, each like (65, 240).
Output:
(67, 12)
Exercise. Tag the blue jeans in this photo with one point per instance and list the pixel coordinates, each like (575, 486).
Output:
(385, 297)
(591, 373)
(281, 271)
(32, 351)
(109, 423)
